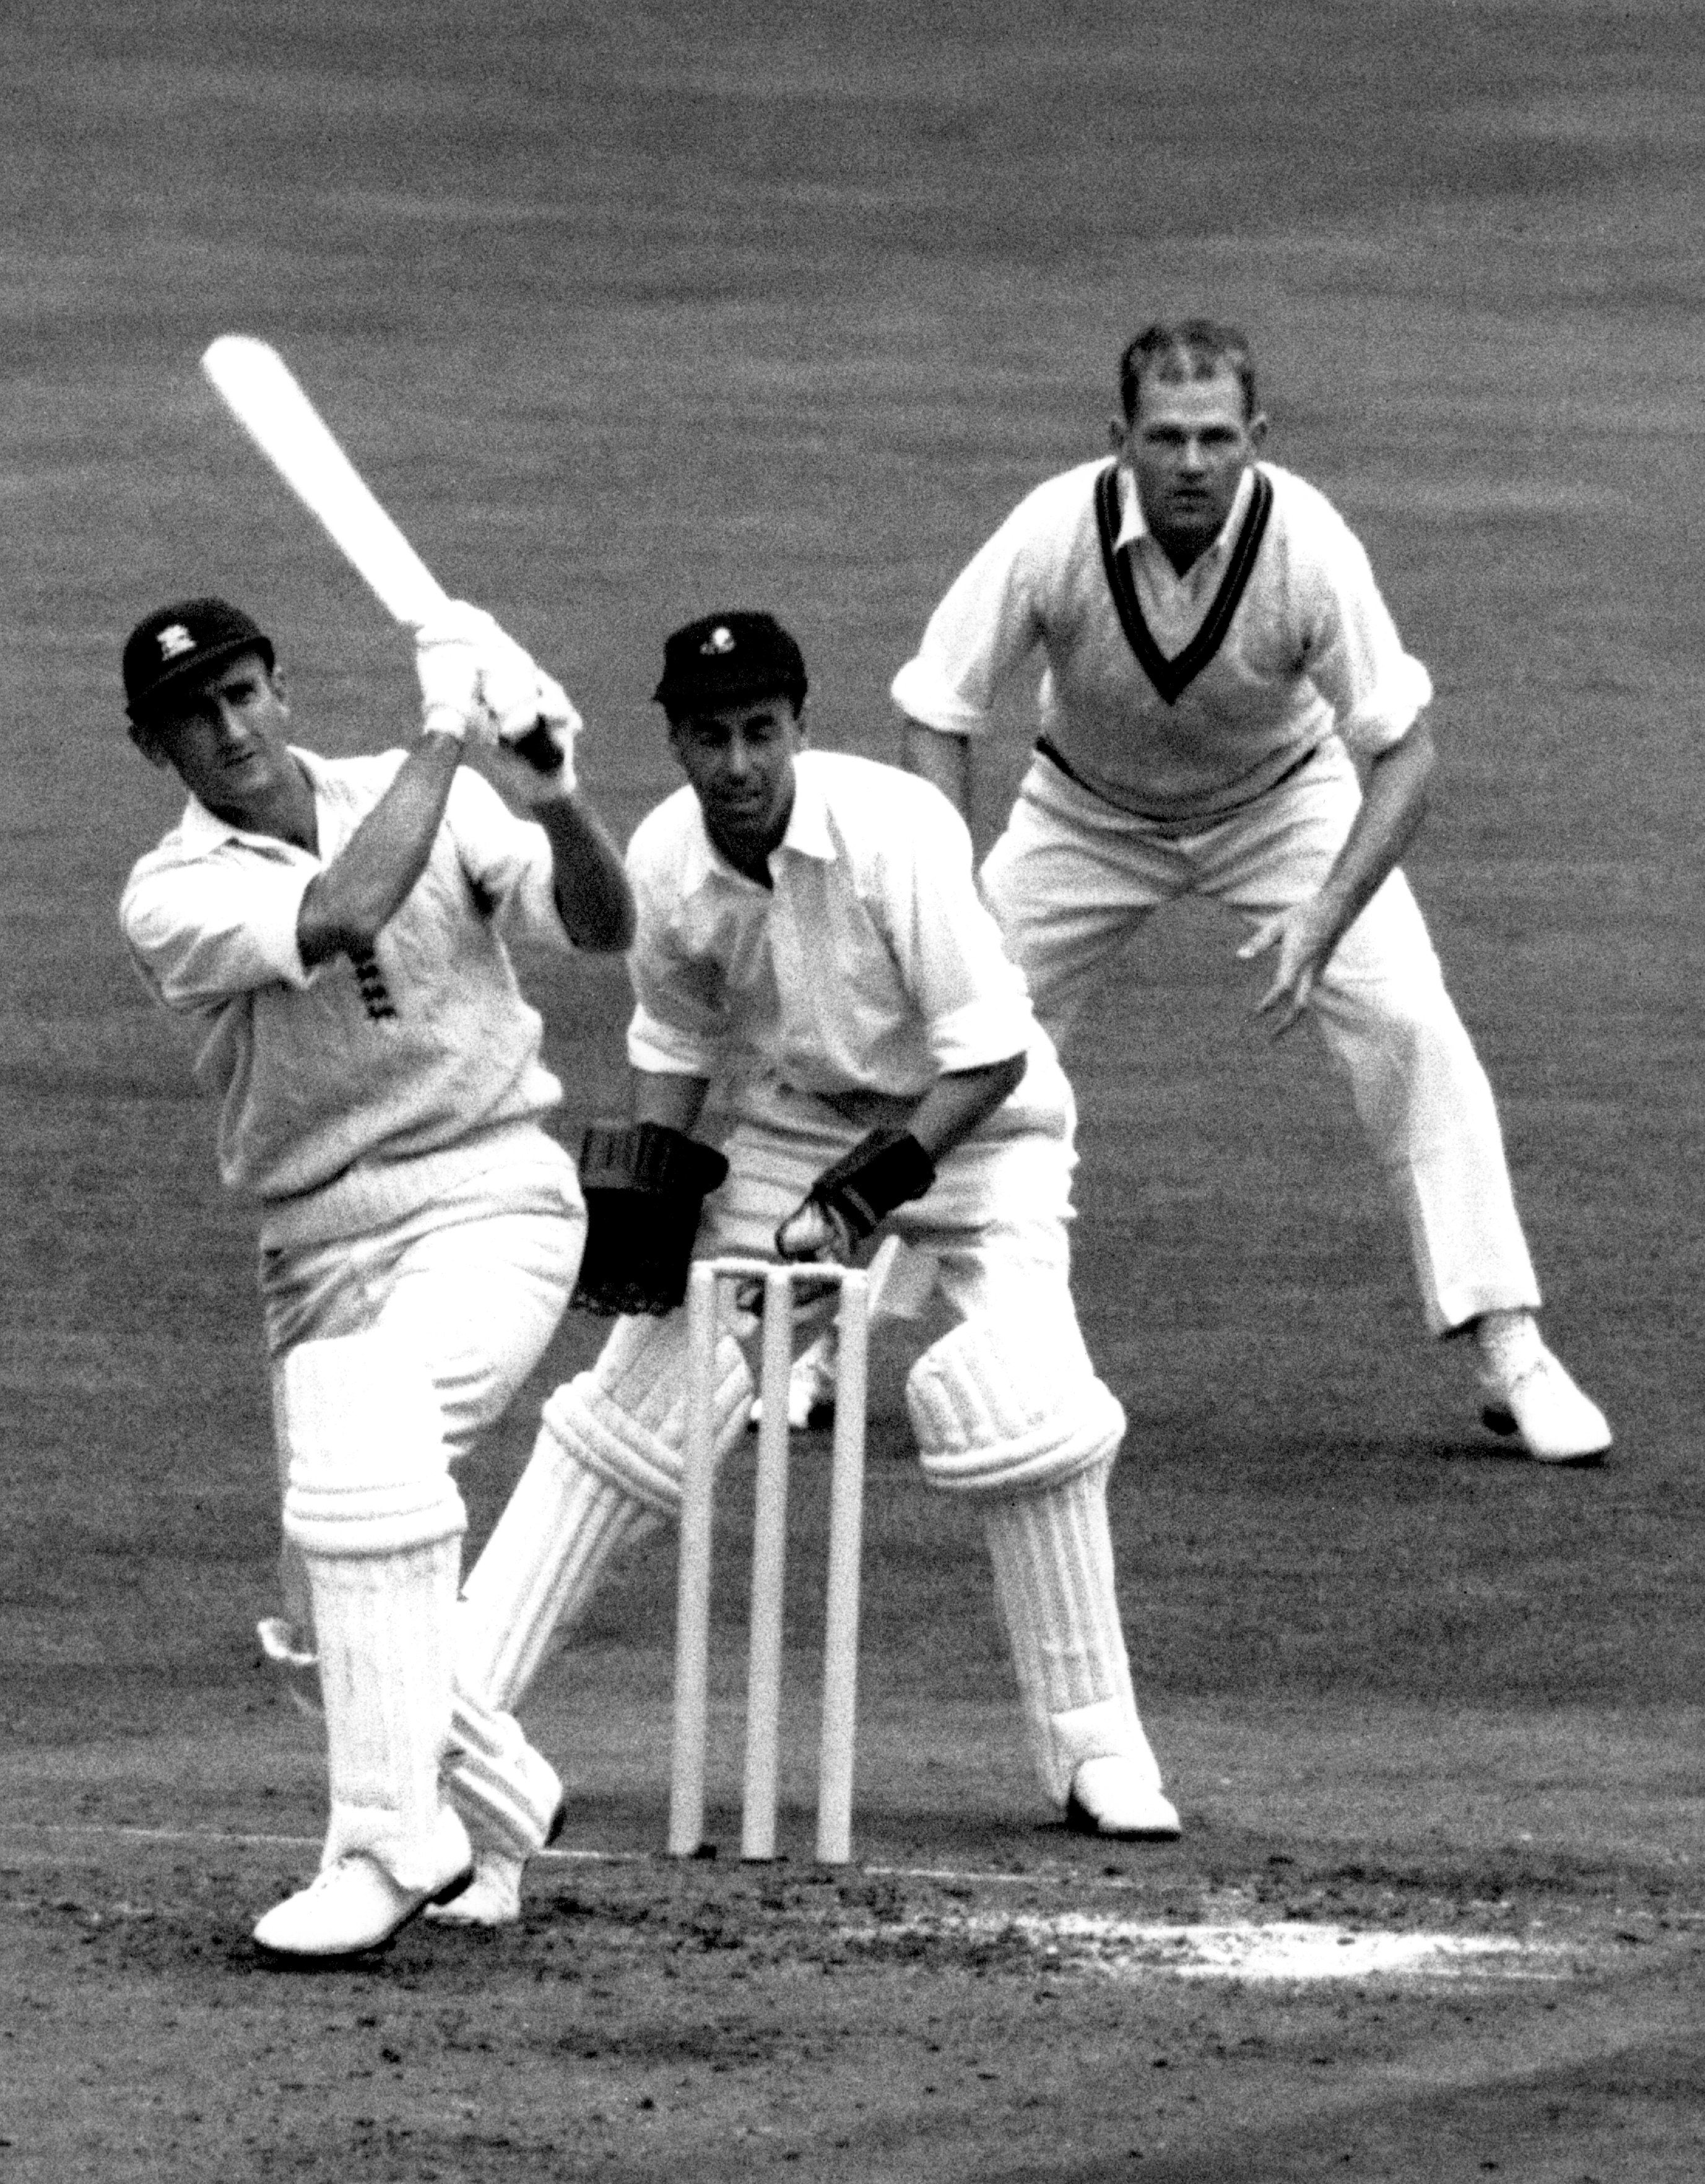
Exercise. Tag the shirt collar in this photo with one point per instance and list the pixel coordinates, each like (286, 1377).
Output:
(809, 833)
(1133, 525)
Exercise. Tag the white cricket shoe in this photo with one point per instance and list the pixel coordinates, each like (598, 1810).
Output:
(1114, 1797)
(492, 1898)
(1556, 1423)
(349, 1906)
(811, 1389)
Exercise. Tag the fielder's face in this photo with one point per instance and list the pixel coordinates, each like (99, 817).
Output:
(739, 759)
(1188, 447)
(225, 736)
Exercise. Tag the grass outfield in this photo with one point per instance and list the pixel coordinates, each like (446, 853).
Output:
(629, 315)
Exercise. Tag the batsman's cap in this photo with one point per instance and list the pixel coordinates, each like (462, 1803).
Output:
(177, 644)
(722, 658)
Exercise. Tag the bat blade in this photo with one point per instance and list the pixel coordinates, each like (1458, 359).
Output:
(262, 394)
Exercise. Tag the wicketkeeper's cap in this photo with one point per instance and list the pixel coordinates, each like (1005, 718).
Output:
(724, 658)
(176, 644)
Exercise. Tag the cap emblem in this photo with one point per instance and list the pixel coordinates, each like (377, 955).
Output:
(720, 639)
(174, 640)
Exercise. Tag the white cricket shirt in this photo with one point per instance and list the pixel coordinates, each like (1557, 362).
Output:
(870, 966)
(1306, 648)
(330, 1075)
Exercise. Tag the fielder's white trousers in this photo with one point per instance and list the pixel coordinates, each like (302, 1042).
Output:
(1071, 880)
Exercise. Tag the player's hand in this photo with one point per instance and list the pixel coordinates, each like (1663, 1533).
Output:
(1305, 939)
(447, 664)
(535, 721)
(519, 779)
(814, 1231)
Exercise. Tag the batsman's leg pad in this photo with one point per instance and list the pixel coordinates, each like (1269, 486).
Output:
(992, 1415)
(605, 1471)
(371, 1504)
(509, 1796)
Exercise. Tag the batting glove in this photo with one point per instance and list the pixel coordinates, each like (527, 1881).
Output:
(532, 712)
(448, 663)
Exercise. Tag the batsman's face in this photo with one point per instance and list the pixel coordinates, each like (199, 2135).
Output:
(225, 738)
(1188, 447)
(739, 760)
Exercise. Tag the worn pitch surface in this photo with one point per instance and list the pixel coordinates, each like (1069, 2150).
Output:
(633, 313)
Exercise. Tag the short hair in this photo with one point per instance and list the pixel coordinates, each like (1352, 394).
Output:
(1185, 349)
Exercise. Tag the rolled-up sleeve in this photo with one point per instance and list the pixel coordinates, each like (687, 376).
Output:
(986, 625)
(667, 1047)
(508, 859)
(1356, 658)
(679, 1016)
(226, 924)
(971, 996)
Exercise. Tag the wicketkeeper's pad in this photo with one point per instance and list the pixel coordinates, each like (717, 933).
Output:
(997, 1412)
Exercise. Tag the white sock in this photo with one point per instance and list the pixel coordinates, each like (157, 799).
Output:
(1509, 1345)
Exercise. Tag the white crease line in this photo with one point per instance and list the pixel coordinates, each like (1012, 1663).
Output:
(1241, 1949)
(949, 1876)
(1072, 1941)
(247, 1842)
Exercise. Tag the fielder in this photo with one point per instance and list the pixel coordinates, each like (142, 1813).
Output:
(336, 929)
(811, 953)
(1217, 658)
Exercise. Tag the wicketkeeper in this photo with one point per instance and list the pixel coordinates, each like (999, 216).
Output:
(811, 951)
(336, 929)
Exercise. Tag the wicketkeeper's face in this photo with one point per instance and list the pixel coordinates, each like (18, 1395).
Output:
(739, 759)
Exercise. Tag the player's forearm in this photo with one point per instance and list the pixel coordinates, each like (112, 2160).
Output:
(592, 897)
(661, 1096)
(943, 759)
(1392, 809)
(956, 1103)
(348, 904)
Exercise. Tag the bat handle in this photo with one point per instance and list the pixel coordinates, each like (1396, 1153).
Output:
(540, 749)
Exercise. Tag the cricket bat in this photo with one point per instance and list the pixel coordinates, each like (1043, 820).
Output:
(267, 400)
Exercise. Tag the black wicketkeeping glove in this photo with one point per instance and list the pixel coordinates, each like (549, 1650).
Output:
(644, 1185)
(884, 1169)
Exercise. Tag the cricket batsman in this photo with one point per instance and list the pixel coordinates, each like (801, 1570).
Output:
(337, 931)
